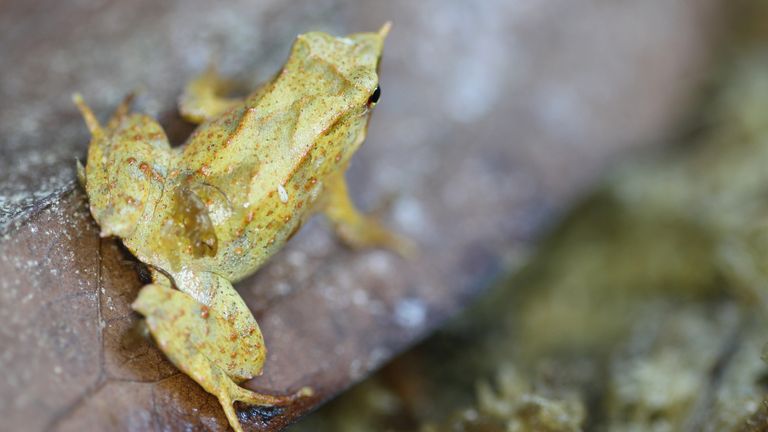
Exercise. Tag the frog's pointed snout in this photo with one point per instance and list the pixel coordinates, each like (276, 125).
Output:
(384, 30)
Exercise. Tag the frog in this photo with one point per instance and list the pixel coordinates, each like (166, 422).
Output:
(204, 215)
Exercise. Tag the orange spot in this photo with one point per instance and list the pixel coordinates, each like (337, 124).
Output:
(238, 251)
(233, 336)
(131, 160)
(204, 312)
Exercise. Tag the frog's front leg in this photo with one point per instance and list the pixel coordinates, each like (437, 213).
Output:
(216, 342)
(203, 98)
(355, 228)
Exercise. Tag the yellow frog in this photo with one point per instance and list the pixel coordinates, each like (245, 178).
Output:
(211, 212)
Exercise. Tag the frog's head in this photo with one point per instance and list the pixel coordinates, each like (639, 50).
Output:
(343, 66)
(331, 83)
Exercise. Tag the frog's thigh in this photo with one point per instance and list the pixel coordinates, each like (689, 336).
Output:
(202, 98)
(197, 340)
(197, 312)
(355, 228)
(239, 346)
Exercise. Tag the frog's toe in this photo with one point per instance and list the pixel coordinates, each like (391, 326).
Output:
(368, 232)
(90, 119)
(122, 110)
(252, 398)
(403, 246)
(229, 410)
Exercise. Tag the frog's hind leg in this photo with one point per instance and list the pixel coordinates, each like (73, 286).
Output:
(212, 344)
(355, 228)
(203, 98)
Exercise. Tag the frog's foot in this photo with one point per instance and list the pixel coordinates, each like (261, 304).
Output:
(203, 98)
(216, 347)
(360, 231)
(228, 393)
(356, 229)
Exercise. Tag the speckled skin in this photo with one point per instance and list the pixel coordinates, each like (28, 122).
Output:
(212, 211)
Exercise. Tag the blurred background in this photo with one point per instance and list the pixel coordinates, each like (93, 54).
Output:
(586, 179)
(644, 308)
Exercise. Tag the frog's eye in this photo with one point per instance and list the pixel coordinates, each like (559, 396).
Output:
(374, 96)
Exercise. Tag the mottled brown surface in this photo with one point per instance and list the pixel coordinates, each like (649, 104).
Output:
(493, 117)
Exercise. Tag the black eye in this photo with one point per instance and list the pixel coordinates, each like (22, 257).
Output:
(375, 96)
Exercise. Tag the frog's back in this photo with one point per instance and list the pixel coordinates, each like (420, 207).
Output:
(260, 167)
(276, 127)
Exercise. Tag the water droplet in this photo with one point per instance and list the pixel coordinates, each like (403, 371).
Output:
(282, 193)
